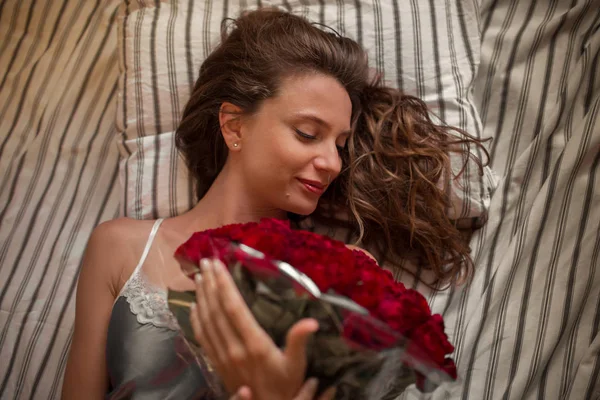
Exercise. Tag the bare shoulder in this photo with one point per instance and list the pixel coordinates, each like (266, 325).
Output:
(118, 231)
(113, 246)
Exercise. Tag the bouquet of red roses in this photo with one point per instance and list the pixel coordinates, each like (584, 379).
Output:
(371, 328)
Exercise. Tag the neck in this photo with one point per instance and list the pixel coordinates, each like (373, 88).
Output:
(229, 201)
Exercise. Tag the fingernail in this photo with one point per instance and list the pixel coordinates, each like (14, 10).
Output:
(313, 382)
(198, 278)
(193, 307)
(218, 266)
(204, 264)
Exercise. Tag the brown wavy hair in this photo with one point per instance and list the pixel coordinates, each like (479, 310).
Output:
(388, 193)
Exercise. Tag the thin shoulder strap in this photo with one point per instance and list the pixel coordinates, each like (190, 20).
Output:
(148, 245)
(144, 255)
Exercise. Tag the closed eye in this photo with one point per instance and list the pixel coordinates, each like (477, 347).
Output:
(304, 135)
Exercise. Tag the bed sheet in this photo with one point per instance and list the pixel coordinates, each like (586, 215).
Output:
(58, 176)
(528, 325)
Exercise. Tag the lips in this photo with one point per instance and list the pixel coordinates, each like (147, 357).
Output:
(315, 187)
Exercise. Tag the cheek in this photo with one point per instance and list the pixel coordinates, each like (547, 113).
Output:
(276, 155)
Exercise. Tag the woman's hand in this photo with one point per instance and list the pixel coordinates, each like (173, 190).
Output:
(240, 351)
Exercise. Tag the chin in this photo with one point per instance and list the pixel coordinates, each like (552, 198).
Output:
(302, 209)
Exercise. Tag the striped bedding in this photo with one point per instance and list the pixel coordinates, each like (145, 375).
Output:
(526, 328)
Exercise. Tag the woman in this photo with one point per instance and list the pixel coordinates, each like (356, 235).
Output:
(283, 122)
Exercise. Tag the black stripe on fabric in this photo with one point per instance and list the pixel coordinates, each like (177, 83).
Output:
(567, 213)
(11, 193)
(465, 35)
(38, 207)
(42, 87)
(463, 121)
(497, 341)
(191, 73)
(11, 29)
(174, 95)
(156, 103)
(473, 112)
(17, 48)
(2, 3)
(436, 61)
(124, 134)
(487, 288)
(594, 382)
(29, 193)
(459, 323)
(450, 42)
(549, 284)
(56, 387)
(504, 92)
(591, 31)
(514, 140)
(206, 32)
(140, 128)
(520, 239)
(592, 86)
(30, 52)
(124, 77)
(417, 45)
(488, 20)
(562, 104)
(340, 23)
(76, 230)
(568, 361)
(493, 62)
(542, 326)
(125, 205)
(398, 45)
(322, 12)
(82, 210)
(379, 56)
(359, 27)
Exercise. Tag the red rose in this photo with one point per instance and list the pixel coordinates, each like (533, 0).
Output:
(369, 333)
(396, 312)
(404, 312)
(430, 344)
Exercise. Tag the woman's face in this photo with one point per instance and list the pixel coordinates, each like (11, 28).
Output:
(290, 148)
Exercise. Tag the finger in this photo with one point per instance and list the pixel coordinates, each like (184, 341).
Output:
(308, 390)
(243, 393)
(240, 316)
(195, 322)
(328, 394)
(296, 339)
(227, 335)
(206, 340)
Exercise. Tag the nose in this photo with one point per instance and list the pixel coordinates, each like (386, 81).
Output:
(328, 160)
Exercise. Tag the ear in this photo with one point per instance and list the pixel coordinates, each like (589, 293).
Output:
(230, 120)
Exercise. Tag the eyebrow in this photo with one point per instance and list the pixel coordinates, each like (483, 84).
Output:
(320, 121)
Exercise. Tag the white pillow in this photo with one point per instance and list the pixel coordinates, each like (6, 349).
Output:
(428, 51)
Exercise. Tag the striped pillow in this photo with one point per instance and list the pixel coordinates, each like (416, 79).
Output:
(428, 49)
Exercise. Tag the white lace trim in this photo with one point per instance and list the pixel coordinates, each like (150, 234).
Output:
(149, 303)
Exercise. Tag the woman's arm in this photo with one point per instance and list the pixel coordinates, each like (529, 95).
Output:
(86, 376)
